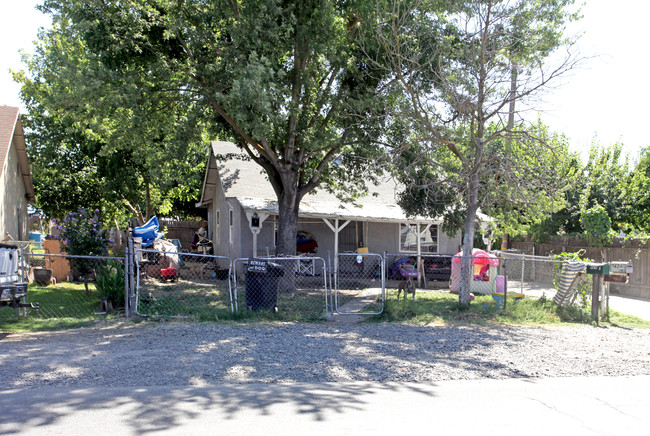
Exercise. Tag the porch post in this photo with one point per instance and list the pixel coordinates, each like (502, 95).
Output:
(255, 230)
(336, 229)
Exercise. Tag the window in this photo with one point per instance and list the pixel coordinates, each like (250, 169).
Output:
(408, 237)
(409, 234)
(230, 224)
(218, 221)
(275, 234)
(429, 238)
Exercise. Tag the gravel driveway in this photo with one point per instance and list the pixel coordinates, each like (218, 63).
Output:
(202, 354)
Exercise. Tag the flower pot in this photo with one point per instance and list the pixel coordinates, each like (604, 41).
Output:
(42, 276)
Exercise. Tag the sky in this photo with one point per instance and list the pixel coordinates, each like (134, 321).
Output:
(606, 99)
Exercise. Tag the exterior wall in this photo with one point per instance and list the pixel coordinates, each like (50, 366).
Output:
(381, 237)
(449, 245)
(218, 222)
(266, 238)
(13, 204)
(385, 237)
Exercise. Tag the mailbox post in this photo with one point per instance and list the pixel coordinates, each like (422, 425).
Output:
(598, 270)
(609, 272)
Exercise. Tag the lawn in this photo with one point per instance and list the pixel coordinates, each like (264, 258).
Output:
(64, 305)
(443, 308)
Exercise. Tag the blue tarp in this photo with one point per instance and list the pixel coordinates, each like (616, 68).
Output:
(148, 232)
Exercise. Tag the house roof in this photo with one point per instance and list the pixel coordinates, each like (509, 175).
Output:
(11, 132)
(244, 180)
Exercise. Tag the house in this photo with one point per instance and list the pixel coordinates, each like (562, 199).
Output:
(243, 214)
(15, 177)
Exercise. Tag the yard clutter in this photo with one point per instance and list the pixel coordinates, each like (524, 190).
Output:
(148, 232)
(164, 263)
(484, 272)
(13, 292)
(306, 243)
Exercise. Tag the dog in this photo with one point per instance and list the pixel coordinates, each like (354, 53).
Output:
(402, 287)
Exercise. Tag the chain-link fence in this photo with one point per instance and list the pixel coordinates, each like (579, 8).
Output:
(71, 287)
(203, 287)
(359, 284)
(434, 270)
(537, 276)
(173, 284)
(293, 287)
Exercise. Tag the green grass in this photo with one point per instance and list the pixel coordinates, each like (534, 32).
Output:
(66, 306)
(443, 308)
(62, 306)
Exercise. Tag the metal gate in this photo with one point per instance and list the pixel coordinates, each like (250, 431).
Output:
(359, 284)
(187, 285)
(295, 287)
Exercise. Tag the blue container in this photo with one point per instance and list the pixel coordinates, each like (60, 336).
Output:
(36, 237)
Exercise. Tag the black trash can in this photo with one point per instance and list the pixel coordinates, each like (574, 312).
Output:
(262, 279)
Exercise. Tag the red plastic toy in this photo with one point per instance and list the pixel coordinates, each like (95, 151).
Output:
(169, 274)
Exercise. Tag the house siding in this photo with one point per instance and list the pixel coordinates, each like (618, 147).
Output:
(13, 202)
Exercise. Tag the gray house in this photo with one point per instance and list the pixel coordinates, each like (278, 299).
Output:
(15, 177)
(243, 214)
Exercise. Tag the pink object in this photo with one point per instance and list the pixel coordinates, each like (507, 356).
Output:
(479, 257)
(500, 284)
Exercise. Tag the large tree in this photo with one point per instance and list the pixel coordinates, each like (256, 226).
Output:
(462, 70)
(285, 79)
(103, 141)
(637, 195)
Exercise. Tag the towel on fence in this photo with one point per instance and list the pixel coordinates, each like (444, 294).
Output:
(566, 286)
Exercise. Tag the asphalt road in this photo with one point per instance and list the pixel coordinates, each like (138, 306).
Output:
(556, 406)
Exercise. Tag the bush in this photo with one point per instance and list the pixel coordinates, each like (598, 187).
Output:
(82, 234)
(597, 225)
(110, 282)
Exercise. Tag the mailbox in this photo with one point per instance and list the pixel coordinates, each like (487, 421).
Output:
(598, 268)
(619, 272)
(620, 268)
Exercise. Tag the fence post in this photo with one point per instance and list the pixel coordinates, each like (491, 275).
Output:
(505, 283)
(128, 279)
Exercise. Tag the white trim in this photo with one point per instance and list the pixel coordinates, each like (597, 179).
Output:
(218, 225)
(399, 237)
(231, 221)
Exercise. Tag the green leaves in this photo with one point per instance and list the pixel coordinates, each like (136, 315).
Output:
(597, 225)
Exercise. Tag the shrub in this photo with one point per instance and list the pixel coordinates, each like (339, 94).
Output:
(81, 233)
(110, 282)
(597, 225)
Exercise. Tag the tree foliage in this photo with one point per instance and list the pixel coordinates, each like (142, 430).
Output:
(104, 140)
(285, 80)
(461, 68)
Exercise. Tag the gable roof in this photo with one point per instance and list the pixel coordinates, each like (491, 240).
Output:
(244, 180)
(11, 132)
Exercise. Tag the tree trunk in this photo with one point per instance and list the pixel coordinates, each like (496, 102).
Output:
(148, 200)
(288, 203)
(468, 243)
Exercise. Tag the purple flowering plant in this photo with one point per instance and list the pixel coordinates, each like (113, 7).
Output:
(82, 233)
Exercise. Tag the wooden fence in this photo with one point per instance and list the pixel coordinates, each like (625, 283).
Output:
(635, 251)
(181, 230)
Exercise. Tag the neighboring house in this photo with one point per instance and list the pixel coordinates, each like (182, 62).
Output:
(15, 177)
(243, 214)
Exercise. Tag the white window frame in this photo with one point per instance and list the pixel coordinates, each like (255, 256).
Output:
(217, 225)
(231, 220)
(426, 229)
(399, 237)
(420, 235)
(275, 233)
